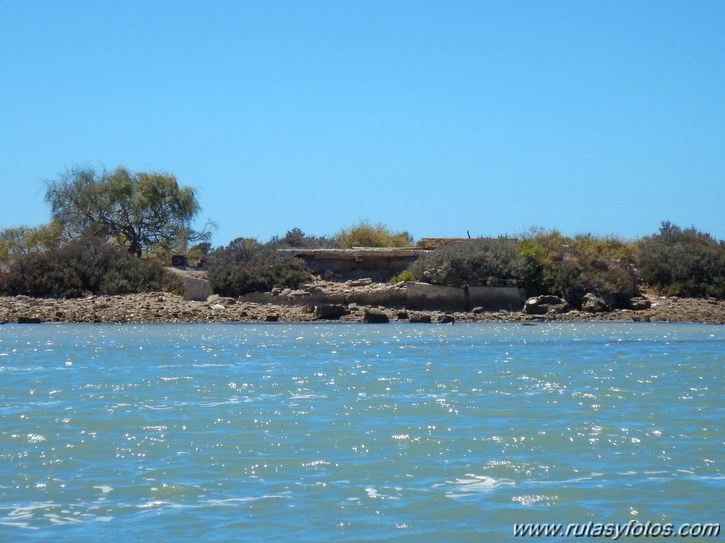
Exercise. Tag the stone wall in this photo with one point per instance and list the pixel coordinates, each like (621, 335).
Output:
(496, 298)
(426, 296)
(412, 295)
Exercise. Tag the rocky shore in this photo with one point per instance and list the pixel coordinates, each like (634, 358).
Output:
(170, 308)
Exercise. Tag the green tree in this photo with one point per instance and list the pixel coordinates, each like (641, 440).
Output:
(142, 211)
(21, 240)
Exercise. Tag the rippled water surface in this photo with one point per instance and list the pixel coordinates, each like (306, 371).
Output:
(355, 432)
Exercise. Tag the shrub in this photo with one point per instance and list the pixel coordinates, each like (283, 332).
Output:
(365, 234)
(483, 261)
(610, 248)
(683, 262)
(83, 266)
(573, 267)
(543, 254)
(246, 266)
(297, 239)
(405, 276)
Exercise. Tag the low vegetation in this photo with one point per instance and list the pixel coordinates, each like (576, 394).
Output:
(85, 266)
(683, 262)
(366, 234)
(676, 261)
(482, 261)
(573, 267)
(246, 266)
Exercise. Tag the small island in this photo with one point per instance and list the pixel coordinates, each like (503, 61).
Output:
(120, 249)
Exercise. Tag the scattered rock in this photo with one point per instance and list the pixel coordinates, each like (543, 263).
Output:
(401, 315)
(446, 319)
(271, 317)
(164, 307)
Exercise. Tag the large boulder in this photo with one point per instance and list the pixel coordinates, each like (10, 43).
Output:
(420, 318)
(195, 289)
(541, 305)
(330, 311)
(375, 316)
(29, 320)
(591, 303)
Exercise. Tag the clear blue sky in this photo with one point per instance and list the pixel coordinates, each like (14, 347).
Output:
(433, 117)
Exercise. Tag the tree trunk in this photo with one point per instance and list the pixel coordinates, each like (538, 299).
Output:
(135, 248)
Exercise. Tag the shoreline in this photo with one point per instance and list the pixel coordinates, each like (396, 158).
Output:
(166, 308)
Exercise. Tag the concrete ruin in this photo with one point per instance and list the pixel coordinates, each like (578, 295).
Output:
(378, 263)
(411, 295)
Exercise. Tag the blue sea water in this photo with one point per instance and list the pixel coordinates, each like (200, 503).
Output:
(340, 433)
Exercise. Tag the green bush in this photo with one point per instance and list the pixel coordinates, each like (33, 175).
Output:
(365, 234)
(84, 266)
(297, 239)
(573, 267)
(405, 276)
(483, 261)
(683, 262)
(544, 262)
(246, 266)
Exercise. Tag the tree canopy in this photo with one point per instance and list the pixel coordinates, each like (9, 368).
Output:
(21, 240)
(142, 211)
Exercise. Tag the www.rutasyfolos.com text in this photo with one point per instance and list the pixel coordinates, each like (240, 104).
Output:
(613, 530)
